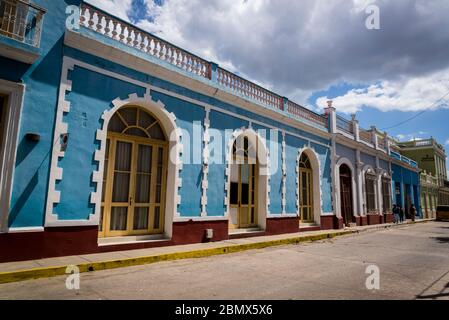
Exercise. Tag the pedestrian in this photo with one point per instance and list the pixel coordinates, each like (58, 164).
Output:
(413, 212)
(396, 212)
(401, 214)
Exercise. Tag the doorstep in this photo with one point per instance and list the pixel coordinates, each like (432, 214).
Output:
(303, 227)
(245, 233)
(112, 241)
(50, 267)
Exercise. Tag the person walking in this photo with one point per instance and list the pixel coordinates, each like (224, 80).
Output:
(401, 214)
(396, 213)
(413, 212)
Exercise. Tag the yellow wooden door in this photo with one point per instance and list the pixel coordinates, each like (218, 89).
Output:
(244, 197)
(134, 184)
(306, 195)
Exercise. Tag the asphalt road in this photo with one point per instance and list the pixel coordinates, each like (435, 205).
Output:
(413, 263)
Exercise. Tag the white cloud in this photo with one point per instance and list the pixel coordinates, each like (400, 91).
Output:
(415, 94)
(447, 142)
(118, 8)
(298, 47)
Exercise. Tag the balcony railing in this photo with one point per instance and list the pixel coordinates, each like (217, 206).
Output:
(301, 112)
(21, 21)
(345, 125)
(248, 89)
(114, 28)
(403, 159)
(365, 136)
(423, 143)
(427, 178)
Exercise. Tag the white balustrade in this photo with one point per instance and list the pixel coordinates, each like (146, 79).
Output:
(100, 22)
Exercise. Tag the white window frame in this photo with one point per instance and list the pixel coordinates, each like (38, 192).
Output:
(14, 93)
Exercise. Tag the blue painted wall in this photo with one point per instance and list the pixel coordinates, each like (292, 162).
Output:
(368, 159)
(91, 94)
(41, 79)
(346, 152)
(407, 179)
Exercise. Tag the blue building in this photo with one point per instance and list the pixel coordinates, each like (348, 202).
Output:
(115, 139)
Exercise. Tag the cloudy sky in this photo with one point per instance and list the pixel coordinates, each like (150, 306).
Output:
(396, 77)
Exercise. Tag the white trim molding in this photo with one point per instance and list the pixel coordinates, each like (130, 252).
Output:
(14, 93)
(263, 187)
(205, 181)
(168, 121)
(284, 174)
(56, 172)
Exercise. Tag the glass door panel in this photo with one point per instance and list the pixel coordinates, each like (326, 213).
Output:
(142, 191)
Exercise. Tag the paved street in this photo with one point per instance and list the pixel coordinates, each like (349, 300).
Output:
(413, 262)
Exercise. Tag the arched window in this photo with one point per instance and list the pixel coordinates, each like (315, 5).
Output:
(304, 162)
(134, 121)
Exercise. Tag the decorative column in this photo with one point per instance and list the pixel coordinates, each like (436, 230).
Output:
(379, 199)
(331, 113)
(205, 182)
(284, 174)
(374, 137)
(359, 182)
(213, 71)
(387, 142)
(334, 175)
(355, 127)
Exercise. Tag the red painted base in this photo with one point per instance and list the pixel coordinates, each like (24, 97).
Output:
(331, 222)
(282, 225)
(65, 241)
(388, 218)
(195, 231)
(52, 242)
(374, 219)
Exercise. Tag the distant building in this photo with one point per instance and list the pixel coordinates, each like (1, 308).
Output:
(431, 158)
(429, 195)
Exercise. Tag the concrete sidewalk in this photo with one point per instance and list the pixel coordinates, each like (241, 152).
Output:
(43, 268)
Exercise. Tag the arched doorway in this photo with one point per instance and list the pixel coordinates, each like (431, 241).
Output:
(306, 205)
(346, 194)
(135, 175)
(243, 184)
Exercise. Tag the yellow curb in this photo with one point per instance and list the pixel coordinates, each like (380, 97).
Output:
(47, 272)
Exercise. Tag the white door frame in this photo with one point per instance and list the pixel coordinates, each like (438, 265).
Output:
(15, 93)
